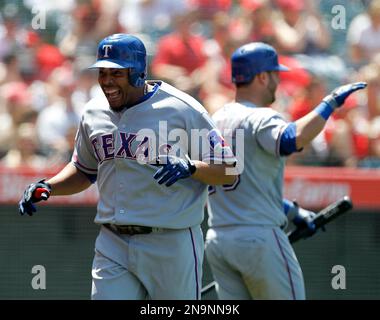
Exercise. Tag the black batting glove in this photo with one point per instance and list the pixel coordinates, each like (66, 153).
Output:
(35, 192)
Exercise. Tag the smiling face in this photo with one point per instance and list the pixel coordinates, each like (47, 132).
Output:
(116, 87)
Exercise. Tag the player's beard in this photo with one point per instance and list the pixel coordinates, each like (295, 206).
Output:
(271, 89)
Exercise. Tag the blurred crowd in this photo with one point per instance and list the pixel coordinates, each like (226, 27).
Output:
(45, 47)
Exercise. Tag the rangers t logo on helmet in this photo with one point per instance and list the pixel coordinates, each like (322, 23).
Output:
(105, 48)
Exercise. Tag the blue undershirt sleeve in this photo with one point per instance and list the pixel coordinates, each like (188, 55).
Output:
(288, 140)
(91, 177)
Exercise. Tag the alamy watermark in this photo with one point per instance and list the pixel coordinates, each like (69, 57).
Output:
(338, 282)
(338, 22)
(147, 145)
(39, 18)
(39, 280)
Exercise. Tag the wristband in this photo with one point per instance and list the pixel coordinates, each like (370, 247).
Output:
(324, 110)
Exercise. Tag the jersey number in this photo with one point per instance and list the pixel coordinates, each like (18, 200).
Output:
(225, 187)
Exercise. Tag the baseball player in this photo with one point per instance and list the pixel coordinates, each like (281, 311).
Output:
(248, 251)
(150, 245)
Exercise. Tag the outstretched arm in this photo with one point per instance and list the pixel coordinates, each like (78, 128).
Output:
(309, 126)
(68, 181)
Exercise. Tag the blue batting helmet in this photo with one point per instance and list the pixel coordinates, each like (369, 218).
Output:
(122, 51)
(254, 58)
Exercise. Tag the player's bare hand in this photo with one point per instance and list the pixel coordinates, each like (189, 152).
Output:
(337, 97)
(35, 192)
(174, 169)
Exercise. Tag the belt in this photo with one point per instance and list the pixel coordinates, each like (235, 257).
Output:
(129, 230)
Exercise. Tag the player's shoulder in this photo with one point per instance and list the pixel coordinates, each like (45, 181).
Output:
(257, 113)
(267, 113)
(230, 108)
(245, 110)
(181, 100)
(94, 105)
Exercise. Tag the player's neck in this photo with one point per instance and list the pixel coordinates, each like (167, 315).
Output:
(134, 98)
(249, 96)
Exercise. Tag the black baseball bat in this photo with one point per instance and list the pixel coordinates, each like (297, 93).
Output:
(323, 217)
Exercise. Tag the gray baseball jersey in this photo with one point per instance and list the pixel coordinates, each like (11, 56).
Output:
(109, 143)
(249, 255)
(256, 198)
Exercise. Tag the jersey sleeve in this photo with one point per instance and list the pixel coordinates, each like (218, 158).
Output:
(269, 130)
(83, 156)
(213, 147)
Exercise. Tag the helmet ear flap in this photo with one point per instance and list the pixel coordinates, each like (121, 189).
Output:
(136, 79)
(138, 72)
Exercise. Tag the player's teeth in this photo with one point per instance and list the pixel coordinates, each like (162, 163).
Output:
(113, 93)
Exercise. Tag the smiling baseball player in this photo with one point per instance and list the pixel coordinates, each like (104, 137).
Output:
(248, 251)
(150, 243)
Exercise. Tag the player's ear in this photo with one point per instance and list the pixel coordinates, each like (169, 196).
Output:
(262, 78)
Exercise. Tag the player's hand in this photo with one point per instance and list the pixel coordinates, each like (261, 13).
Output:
(305, 217)
(337, 97)
(35, 192)
(173, 169)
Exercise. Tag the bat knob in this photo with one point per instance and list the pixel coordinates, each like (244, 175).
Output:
(44, 196)
(41, 193)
